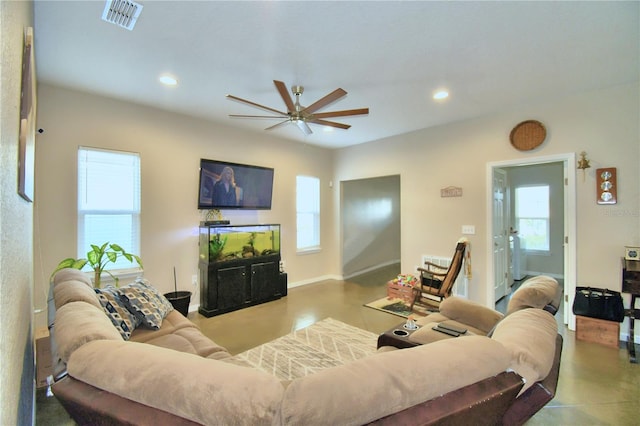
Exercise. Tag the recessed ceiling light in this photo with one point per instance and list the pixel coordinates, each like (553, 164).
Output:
(168, 80)
(440, 94)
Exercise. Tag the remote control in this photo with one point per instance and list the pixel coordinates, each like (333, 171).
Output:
(453, 328)
(445, 331)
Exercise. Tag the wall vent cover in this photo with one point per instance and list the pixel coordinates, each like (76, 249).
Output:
(123, 13)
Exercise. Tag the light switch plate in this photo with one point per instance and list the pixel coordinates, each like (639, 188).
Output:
(468, 229)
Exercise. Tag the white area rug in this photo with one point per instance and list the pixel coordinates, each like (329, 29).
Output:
(325, 344)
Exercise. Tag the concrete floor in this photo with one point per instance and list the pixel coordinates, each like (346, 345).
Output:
(597, 385)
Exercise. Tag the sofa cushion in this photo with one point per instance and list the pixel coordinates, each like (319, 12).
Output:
(73, 290)
(470, 313)
(123, 320)
(536, 292)
(67, 274)
(530, 337)
(203, 390)
(78, 323)
(190, 340)
(146, 303)
(202, 345)
(390, 381)
(170, 324)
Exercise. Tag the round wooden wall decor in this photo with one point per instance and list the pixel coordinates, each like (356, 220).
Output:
(528, 135)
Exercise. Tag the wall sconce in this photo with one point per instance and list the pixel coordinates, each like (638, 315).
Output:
(583, 163)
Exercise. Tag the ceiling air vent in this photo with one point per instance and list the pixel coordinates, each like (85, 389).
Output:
(123, 13)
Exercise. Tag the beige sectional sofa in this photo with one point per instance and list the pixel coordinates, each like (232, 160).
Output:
(176, 375)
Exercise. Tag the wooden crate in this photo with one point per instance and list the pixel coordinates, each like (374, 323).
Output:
(44, 360)
(399, 291)
(598, 331)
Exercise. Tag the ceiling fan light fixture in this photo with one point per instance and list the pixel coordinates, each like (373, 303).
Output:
(300, 115)
(123, 13)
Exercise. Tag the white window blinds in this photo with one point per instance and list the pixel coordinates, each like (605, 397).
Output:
(308, 212)
(108, 201)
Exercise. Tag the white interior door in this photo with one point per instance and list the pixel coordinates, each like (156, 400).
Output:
(500, 234)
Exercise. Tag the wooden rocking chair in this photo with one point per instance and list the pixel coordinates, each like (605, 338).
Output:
(437, 281)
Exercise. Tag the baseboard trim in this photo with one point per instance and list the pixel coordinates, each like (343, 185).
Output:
(371, 268)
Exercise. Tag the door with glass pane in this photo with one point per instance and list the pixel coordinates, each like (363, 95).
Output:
(500, 234)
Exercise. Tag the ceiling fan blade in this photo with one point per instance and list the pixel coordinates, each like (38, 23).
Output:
(304, 127)
(331, 97)
(329, 123)
(359, 111)
(284, 94)
(257, 116)
(253, 104)
(278, 124)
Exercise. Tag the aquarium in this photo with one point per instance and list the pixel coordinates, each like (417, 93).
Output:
(221, 243)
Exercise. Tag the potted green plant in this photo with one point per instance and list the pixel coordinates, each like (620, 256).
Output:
(98, 258)
(216, 246)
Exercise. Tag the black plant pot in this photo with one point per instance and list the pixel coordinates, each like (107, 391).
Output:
(180, 301)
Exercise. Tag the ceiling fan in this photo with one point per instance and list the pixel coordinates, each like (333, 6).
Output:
(300, 115)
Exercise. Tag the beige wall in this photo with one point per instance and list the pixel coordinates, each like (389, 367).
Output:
(16, 247)
(603, 123)
(170, 146)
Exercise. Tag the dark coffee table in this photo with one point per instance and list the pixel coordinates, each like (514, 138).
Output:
(398, 337)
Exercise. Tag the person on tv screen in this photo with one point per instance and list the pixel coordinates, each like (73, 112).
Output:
(225, 191)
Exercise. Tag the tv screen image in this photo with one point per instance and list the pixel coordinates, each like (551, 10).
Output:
(225, 185)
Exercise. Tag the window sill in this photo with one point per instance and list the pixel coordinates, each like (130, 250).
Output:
(126, 275)
(306, 251)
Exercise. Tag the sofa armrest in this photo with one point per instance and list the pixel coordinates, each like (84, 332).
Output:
(88, 405)
(470, 313)
(481, 403)
(538, 395)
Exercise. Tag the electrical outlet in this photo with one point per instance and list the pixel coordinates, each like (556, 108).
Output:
(194, 280)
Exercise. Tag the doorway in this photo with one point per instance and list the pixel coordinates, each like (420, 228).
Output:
(498, 228)
(370, 212)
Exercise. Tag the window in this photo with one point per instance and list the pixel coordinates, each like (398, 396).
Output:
(109, 201)
(308, 212)
(532, 217)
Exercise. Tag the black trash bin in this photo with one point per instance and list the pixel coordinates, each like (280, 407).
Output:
(180, 301)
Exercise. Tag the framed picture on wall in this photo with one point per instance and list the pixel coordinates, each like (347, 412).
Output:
(26, 149)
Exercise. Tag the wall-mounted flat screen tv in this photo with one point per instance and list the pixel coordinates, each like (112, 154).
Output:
(226, 185)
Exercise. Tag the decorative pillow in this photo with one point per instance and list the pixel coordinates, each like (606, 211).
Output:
(117, 311)
(144, 301)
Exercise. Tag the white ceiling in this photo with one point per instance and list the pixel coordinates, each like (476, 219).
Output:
(389, 56)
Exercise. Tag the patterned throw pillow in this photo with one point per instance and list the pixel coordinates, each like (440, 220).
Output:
(144, 301)
(117, 312)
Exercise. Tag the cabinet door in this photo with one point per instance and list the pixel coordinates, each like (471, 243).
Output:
(264, 280)
(231, 287)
